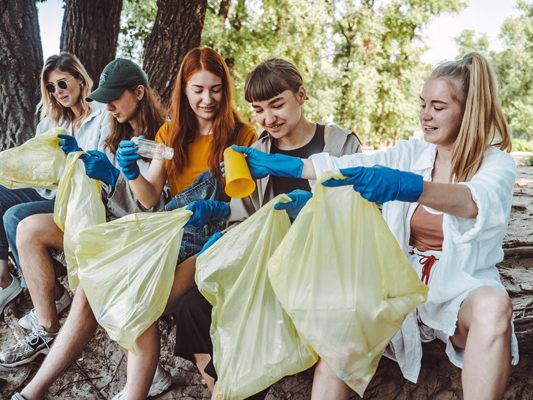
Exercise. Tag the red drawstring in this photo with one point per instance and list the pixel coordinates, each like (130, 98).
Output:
(427, 263)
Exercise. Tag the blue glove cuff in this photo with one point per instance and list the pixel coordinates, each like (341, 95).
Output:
(410, 187)
(287, 166)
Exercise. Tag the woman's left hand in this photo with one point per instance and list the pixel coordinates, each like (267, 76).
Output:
(381, 184)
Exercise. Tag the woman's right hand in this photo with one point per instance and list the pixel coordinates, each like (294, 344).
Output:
(68, 144)
(127, 157)
(262, 164)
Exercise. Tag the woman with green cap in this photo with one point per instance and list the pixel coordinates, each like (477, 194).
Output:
(135, 110)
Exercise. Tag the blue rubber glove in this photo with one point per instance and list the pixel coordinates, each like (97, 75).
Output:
(207, 211)
(381, 184)
(98, 166)
(262, 164)
(68, 144)
(299, 199)
(127, 157)
(212, 239)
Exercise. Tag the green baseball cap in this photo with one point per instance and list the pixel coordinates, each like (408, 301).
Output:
(116, 77)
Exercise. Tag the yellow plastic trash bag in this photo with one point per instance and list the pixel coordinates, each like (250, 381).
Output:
(126, 268)
(38, 163)
(254, 341)
(342, 277)
(78, 205)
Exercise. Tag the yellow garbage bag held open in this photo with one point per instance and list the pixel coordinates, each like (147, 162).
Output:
(78, 205)
(342, 277)
(38, 163)
(126, 268)
(254, 341)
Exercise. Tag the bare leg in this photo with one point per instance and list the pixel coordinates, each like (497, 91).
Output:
(142, 364)
(326, 384)
(201, 362)
(77, 331)
(484, 331)
(183, 281)
(35, 234)
(147, 346)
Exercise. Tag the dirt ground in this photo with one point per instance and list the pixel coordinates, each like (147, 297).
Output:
(100, 372)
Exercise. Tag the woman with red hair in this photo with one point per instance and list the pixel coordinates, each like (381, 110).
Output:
(204, 121)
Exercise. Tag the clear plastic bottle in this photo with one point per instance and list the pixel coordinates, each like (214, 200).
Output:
(152, 149)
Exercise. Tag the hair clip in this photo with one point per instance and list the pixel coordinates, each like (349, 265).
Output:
(467, 59)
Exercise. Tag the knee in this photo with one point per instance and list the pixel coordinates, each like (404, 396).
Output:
(27, 232)
(493, 310)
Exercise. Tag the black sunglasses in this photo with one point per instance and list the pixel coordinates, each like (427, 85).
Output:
(61, 84)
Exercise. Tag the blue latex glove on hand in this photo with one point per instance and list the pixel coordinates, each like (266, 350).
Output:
(127, 157)
(262, 164)
(212, 239)
(98, 166)
(299, 200)
(68, 143)
(381, 184)
(207, 211)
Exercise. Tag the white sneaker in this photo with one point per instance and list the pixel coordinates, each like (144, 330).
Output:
(162, 381)
(30, 321)
(27, 349)
(9, 293)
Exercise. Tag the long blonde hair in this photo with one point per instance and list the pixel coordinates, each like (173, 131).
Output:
(48, 106)
(473, 85)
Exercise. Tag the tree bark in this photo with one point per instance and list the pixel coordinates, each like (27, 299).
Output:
(177, 29)
(90, 31)
(21, 58)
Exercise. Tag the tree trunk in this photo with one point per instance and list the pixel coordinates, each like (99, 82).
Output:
(177, 29)
(90, 31)
(21, 58)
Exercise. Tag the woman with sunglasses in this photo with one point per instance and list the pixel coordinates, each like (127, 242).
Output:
(64, 85)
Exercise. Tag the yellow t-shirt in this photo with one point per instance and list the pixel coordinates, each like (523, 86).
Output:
(198, 155)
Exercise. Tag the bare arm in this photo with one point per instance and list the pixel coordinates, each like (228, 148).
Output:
(147, 189)
(450, 198)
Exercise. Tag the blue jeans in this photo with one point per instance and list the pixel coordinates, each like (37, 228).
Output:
(204, 187)
(15, 205)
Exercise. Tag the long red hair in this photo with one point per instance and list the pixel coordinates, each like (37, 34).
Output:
(184, 123)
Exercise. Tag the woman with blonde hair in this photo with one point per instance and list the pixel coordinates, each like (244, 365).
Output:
(447, 200)
(64, 85)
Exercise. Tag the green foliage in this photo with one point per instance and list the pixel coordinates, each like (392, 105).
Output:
(470, 41)
(137, 20)
(513, 67)
(522, 145)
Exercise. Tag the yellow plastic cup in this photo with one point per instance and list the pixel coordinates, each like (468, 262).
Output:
(239, 182)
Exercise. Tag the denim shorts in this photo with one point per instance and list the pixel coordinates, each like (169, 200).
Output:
(205, 187)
